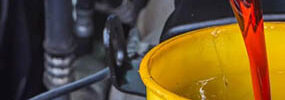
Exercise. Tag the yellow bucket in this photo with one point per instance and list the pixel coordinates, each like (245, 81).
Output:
(211, 64)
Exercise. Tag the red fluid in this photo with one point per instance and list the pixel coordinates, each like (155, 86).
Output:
(249, 16)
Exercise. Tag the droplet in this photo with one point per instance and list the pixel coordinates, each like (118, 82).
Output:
(216, 32)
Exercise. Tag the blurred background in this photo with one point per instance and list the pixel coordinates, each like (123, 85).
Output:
(46, 44)
(36, 36)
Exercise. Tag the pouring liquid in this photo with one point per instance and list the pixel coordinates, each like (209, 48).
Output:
(249, 16)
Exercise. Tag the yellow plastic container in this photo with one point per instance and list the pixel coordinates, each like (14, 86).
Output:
(211, 64)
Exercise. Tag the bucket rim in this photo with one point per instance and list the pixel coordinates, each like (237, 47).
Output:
(147, 79)
(180, 29)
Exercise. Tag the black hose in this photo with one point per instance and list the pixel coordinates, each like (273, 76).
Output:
(3, 16)
(59, 27)
(4, 10)
(72, 86)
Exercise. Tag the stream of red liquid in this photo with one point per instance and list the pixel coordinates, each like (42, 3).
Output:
(249, 16)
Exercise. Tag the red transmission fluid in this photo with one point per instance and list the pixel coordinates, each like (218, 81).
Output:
(249, 16)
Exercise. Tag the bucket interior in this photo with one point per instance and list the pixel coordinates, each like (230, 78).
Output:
(212, 63)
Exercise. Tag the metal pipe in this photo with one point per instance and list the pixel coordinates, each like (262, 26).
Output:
(59, 27)
(59, 44)
(91, 79)
(3, 17)
(84, 25)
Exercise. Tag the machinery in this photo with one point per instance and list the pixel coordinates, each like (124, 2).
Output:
(43, 41)
(47, 47)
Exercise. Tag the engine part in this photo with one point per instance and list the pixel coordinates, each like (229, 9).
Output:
(124, 70)
(3, 17)
(126, 10)
(65, 89)
(84, 25)
(59, 44)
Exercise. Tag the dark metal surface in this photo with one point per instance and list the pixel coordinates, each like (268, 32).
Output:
(194, 11)
(190, 27)
(126, 10)
(3, 16)
(124, 74)
(193, 14)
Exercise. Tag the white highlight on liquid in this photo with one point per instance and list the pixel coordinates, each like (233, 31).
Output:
(204, 83)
